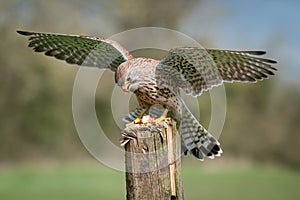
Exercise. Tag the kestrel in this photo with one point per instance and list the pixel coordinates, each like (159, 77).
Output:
(191, 69)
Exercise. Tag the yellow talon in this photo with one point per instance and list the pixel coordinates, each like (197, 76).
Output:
(168, 118)
(136, 121)
(160, 119)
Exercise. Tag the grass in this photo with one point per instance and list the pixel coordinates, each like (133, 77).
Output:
(245, 183)
(93, 181)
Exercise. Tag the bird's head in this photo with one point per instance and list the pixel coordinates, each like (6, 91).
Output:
(126, 79)
(132, 74)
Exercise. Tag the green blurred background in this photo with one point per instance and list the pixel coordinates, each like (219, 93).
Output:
(41, 156)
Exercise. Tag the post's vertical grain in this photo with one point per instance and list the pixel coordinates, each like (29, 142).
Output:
(153, 168)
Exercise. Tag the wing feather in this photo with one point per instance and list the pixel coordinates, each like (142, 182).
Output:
(79, 50)
(196, 69)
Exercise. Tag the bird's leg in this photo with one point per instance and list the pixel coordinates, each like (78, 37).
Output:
(139, 117)
(163, 116)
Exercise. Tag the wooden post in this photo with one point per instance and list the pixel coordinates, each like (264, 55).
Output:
(152, 161)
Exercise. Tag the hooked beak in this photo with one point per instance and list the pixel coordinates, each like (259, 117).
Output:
(125, 88)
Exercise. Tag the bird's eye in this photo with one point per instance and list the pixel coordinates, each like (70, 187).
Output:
(128, 79)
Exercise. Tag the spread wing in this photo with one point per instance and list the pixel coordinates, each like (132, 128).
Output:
(196, 69)
(79, 50)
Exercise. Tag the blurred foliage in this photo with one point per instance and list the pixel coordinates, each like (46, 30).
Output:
(36, 108)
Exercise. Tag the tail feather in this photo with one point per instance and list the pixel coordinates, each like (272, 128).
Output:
(196, 138)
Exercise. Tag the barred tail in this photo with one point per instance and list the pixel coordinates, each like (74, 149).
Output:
(195, 137)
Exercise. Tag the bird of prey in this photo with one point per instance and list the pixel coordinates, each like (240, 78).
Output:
(190, 69)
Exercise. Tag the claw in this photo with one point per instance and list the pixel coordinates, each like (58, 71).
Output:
(160, 119)
(136, 121)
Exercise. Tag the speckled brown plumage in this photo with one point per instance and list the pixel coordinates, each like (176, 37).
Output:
(158, 82)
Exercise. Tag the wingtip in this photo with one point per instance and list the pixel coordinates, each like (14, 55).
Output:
(258, 53)
(273, 61)
(24, 32)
